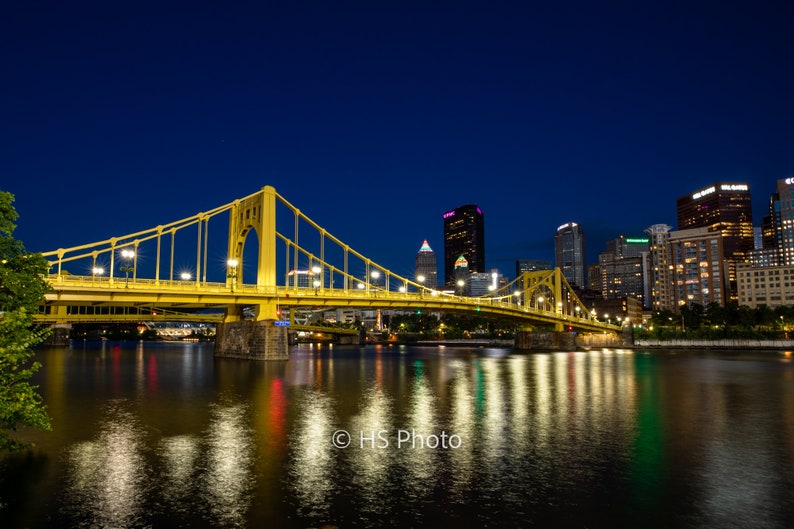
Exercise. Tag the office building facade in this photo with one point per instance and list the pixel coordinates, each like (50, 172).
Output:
(531, 265)
(659, 276)
(569, 252)
(623, 268)
(698, 268)
(464, 235)
(724, 208)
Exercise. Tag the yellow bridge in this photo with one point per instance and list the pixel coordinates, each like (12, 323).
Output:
(294, 264)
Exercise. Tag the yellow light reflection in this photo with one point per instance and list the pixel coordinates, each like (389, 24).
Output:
(229, 475)
(108, 475)
(312, 454)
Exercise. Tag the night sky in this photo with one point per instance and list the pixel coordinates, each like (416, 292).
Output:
(376, 117)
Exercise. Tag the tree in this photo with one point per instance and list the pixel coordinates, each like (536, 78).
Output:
(22, 287)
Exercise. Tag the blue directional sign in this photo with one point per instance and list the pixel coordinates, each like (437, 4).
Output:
(279, 323)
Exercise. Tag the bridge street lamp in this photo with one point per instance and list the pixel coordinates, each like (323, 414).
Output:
(461, 283)
(96, 271)
(128, 256)
(185, 276)
(539, 304)
(232, 274)
(318, 278)
(421, 280)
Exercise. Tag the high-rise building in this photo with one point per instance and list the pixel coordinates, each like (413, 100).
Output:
(779, 225)
(660, 276)
(697, 268)
(464, 234)
(531, 265)
(461, 275)
(622, 268)
(569, 249)
(426, 266)
(723, 207)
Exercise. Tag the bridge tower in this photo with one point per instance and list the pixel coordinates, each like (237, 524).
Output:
(258, 339)
(255, 213)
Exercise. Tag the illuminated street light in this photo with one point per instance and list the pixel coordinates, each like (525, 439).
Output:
(96, 271)
(540, 303)
(421, 280)
(517, 294)
(232, 274)
(461, 283)
(185, 276)
(128, 256)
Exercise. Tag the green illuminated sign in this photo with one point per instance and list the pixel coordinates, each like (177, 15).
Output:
(637, 241)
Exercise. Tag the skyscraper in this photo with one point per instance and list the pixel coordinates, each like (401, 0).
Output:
(426, 266)
(569, 254)
(622, 268)
(660, 278)
(464, 234)
(779, 224)
(723, 208)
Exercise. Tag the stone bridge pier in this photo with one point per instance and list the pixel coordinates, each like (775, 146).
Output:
(253, 340)
(566, 340)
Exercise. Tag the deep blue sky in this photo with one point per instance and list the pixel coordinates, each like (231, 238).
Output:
(376, 117)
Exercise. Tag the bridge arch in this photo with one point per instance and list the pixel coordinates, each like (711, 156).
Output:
(258, 213)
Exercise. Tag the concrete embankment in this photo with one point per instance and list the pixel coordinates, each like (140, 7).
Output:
(716, 344)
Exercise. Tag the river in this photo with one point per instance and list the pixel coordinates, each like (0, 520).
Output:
(165, 435)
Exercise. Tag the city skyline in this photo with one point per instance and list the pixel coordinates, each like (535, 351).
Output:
(375, 121)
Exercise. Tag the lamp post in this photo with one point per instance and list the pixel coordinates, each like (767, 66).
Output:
(461, 283)
(232, 274)
(421, 280)
(185, 277)
(578, 309)
(128, 256)
(317, 282)
(539, 303)
(517, 295)
(98, 271)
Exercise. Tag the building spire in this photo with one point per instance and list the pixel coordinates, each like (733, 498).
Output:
(425, 247)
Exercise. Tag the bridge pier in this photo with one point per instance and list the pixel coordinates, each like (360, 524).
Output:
(567, 341)
(253, 340)
(59, 334)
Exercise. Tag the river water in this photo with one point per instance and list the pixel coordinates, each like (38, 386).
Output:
(165, 435)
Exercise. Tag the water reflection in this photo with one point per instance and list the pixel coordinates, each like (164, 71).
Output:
(108, 476)
(228, 478)
(311, 475)
(607, 439)
(180, 456)
(371, 457)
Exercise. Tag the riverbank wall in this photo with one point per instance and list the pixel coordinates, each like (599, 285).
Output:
(715, 344)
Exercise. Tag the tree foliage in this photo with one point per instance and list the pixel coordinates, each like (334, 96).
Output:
(22, 287)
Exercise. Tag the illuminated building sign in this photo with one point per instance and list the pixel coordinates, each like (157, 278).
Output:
(734, 187)
(567, 225)
(637, 241)
(704, 192)
(449, 214)
(723, 187)
(789, 181)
